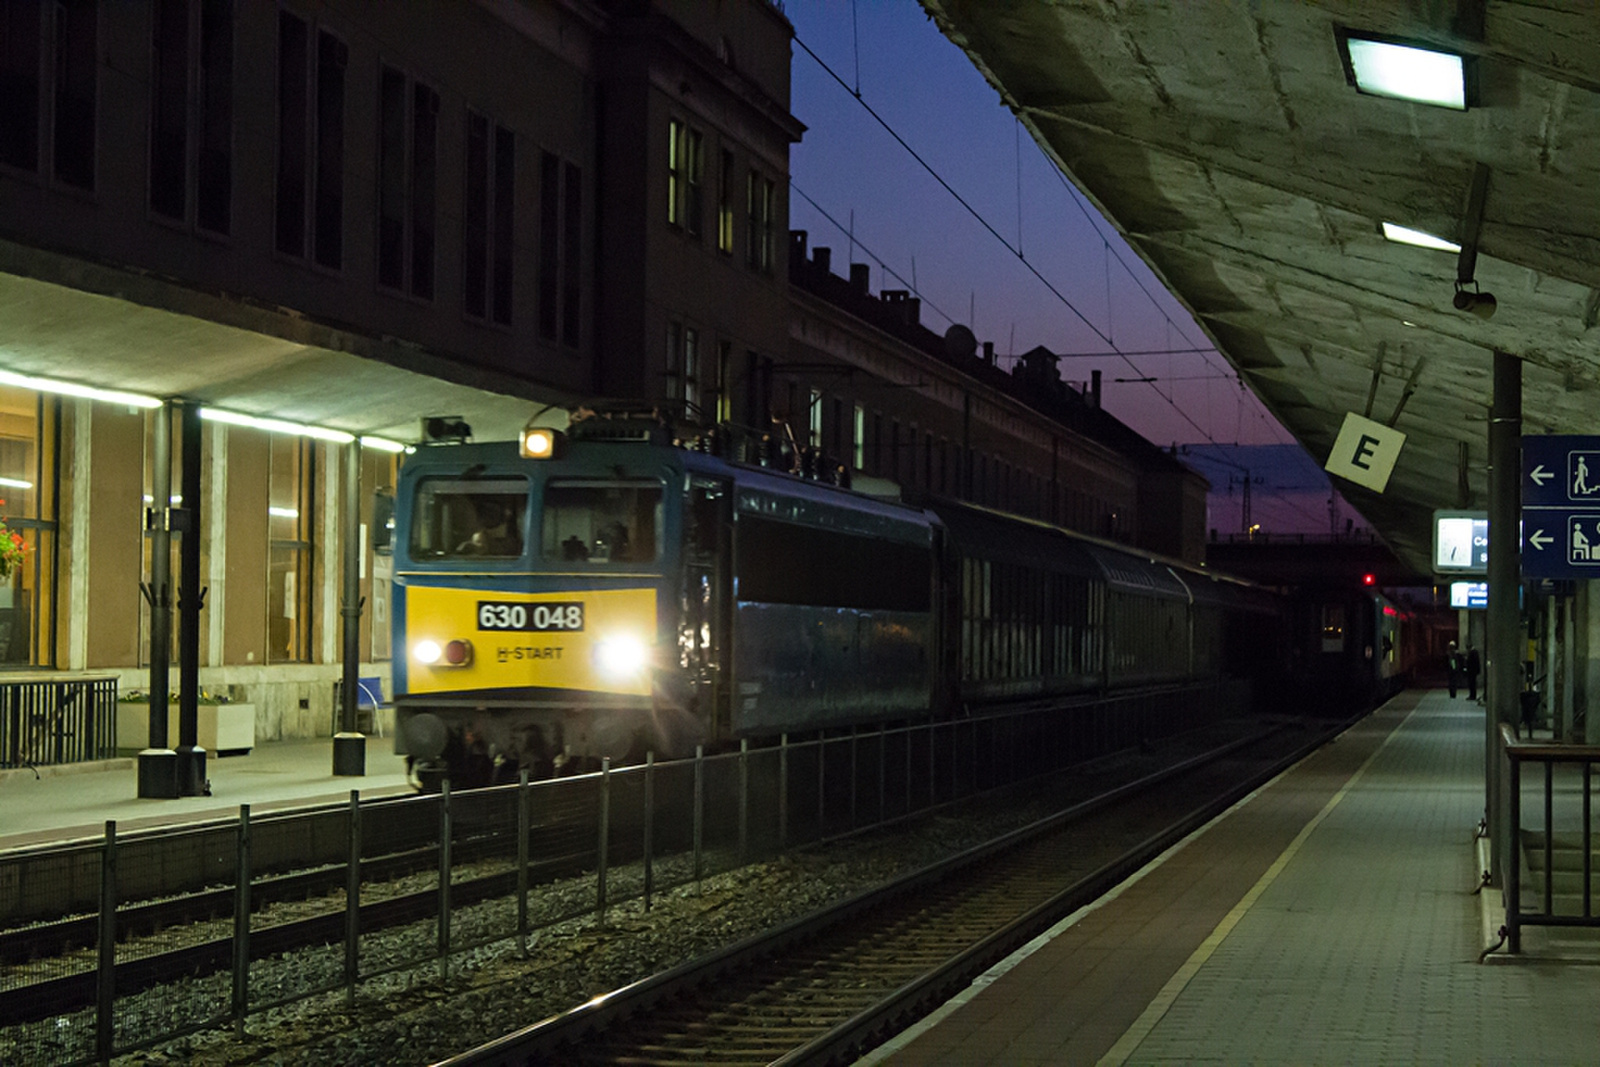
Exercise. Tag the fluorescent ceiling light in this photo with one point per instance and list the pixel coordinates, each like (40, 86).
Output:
(382, 444)
(232, 418)
(1400, 71)
(15, 483)
(1406, 236)
(50, 385)
(284, 513)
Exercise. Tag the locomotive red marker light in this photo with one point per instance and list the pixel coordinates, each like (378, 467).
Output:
(458, 653)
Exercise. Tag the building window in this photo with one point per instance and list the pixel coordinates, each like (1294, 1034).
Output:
(560, 254)
(674, 172)
(858, 439)
(197, 81)
(724, 411)
(685, 177)
(683, 367)
(408, 120)
(76, 57)
(726, 190)
(814, 420)
(489, 219)
(28, 424)
(290, 494)
(21, 27)
(759, 200)
(50, 52)
(310, 181)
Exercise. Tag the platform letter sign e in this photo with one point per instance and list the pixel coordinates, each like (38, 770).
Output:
(1365, 452)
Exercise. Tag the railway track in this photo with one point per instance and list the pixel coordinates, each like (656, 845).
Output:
(832, 984)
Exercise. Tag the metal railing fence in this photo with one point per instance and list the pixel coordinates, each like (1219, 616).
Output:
(1550, 870)
(403, 884)
(57, 720)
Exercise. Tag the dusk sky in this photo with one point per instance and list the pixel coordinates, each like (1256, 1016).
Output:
(850, 176)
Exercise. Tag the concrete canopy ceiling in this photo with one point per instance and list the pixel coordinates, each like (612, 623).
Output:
(1224, 141)
(228, 355)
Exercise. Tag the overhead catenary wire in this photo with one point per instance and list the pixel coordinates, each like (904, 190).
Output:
(932, 172)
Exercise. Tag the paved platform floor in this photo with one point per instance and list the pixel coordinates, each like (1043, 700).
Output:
(66, 803)
(1329, 918)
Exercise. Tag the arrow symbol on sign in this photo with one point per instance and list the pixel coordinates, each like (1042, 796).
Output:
(1540, 476)
(1539, 540)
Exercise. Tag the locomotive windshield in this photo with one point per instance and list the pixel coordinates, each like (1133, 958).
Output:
(601, 521)
(469, 517)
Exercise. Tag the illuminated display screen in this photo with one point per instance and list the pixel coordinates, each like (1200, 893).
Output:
(1469, 594)
(1461, 541)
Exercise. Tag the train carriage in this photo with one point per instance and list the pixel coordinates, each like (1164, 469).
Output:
(610, 591)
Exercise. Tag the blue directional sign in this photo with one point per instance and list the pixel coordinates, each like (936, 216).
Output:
(1561, 506)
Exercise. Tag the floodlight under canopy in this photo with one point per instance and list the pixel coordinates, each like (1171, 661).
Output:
(1385, 66)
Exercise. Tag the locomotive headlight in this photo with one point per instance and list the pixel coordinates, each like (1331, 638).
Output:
(427, 651)
(540, 442)
(621, 656)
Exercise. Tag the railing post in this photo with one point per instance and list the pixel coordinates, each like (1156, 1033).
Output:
(1549, 838)
(603, 852)
(783, 793)
(883, 765)
(822, 785)
(855, 775)
(524, 828)
(106, 971)
(744, 800)
(352, 903)
(649, 827)
(1588, 839)
(241, 925)
(1511, 869)
(444, 880)
(699, 807)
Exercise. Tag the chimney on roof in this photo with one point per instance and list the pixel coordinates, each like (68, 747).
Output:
(861, 278)
(823, 258)
(905, 307)
(1094, 389)
(988, 352)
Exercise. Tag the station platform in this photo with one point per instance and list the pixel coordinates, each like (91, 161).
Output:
(71, 802)
(1328, 918)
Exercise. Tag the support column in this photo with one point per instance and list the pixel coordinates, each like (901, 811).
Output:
(1504, 666)
(349, 746)
(158, 764)
(191, 757)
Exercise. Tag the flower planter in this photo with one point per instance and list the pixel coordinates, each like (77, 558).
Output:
(222, 729)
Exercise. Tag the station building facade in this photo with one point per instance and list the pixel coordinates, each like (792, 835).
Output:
(325, 222)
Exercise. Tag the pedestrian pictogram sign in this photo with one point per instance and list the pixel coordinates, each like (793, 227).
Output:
(1561, 506)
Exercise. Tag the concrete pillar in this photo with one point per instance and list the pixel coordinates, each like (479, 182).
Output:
(349, 746)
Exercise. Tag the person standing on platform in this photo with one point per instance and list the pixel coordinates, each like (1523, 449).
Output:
(1474, 665)
(1452, 662)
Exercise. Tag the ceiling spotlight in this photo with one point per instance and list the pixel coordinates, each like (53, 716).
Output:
(1475, 303)
(1379, 65)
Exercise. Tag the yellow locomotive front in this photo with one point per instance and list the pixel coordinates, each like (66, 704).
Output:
(532, 595)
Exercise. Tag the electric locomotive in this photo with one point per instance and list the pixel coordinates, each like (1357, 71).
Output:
(605, 592)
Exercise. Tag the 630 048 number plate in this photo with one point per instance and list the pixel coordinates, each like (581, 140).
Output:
(539, 618)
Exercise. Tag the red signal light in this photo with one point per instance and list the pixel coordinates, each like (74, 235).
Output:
(1369, 579)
